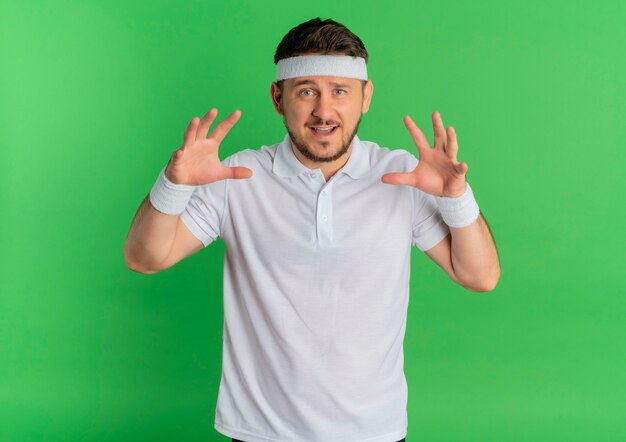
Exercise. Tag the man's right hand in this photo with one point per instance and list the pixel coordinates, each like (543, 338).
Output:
(196, 162)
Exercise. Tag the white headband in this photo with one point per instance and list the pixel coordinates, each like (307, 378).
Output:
(329, 65)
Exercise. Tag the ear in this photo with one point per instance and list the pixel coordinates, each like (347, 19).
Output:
(368, 91)
(276, 98)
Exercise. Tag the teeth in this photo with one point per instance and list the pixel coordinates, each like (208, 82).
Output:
(319, 129)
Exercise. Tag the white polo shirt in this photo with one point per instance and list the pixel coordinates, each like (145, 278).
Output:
(316, 289)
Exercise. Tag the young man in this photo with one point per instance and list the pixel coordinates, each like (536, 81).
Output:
(318, 232)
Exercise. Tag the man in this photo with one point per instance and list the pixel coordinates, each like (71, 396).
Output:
(318, 232)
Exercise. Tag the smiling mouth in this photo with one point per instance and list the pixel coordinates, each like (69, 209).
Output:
(323, 131)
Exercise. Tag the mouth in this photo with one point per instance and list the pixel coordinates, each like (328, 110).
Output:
(323, 131)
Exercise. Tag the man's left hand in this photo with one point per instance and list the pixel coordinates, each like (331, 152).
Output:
(438, 172)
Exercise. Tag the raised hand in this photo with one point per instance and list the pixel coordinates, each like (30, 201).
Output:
(196, 162)
(438, 172)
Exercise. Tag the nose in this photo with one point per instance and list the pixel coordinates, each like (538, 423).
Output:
(323, 108)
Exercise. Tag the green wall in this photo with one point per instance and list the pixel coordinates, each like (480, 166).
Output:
(95, 96)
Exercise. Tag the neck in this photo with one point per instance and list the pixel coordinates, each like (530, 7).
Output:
(328, 168)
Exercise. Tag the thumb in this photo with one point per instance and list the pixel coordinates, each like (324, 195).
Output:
(462, 168)
(237, 172)
(398, 178)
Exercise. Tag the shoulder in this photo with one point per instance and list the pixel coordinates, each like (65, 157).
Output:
(388, 159)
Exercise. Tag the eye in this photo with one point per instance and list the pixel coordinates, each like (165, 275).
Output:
(341, 91)
(306, 92)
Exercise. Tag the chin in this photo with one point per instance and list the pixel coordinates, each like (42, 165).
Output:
(320, 150)
(324, 154)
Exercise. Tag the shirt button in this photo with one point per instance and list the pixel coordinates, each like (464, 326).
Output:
(323, 192)
(324, 218)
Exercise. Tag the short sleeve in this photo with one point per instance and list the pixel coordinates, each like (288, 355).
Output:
(205, 210)
(428, 225)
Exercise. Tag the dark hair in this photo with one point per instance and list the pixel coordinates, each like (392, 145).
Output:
(317, 36)
(325, 37)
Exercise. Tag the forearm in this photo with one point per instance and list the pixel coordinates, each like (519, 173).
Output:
(150, 238)
(474, 256)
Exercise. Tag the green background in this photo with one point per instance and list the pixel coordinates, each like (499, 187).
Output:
(95, 96)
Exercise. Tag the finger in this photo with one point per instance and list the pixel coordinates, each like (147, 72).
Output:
(190, 133)
(224, 126)
(176, 156)
(418, 137)
(462, 168)
(398, 178)
(205, 124)
(178, 153)
(440, 133)
(452, 148)
(237, 172)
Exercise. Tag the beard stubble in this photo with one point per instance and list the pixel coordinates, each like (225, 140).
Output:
(306, 151)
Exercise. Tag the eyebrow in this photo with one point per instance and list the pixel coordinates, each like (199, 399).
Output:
(301, 82)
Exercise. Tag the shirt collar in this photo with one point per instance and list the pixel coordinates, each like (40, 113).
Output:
(286, 164)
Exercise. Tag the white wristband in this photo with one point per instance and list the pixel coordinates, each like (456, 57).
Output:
(168, 197)
(460, 211)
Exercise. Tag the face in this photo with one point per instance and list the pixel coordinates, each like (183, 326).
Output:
(322, 114)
